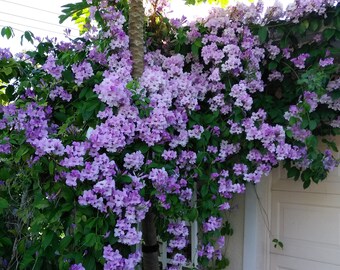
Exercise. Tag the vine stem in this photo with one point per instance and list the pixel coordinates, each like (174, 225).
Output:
(14, 257)
(292, 69)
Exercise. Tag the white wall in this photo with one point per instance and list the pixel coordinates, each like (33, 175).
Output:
(234, 244)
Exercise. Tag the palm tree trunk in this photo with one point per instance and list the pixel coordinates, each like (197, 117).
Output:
(136, 35)
(150, 248)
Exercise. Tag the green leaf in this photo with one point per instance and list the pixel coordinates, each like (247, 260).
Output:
(204, 190)
(7, 32)
(90, 223)
(263, 33)
(312, 124)
(277, 243)
(65, 242)
(143, 148)
(330, 144)
(7, 70)
(26, 261)
(304, 123)
(272, 65)
(306, 184)
(68, 194)
(90, 240)
(328, 33)
(196, 46)
(47, 239)
(303, 26)
(3, 203)
(222, 264)
(312, 141)
(211, 117)
(60, 116)
(5, 173)
(20, 153)
(51, 167)
(6, 241)
(124, 179)
(41, 204)
(335, 95)
(337, 22)
(192, 214)
(314, 25)
(158, 149)
(71, 9)
(68, 75)
(89, 262)
(289, 133)
(293, 172)
(28, 35)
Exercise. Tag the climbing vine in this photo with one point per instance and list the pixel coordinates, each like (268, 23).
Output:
(86, 151)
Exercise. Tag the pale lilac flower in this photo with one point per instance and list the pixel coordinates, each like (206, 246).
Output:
(52, 68)
(61, 93)
(134, 160)
(169, 154)
(82, 71)
(326, 62)
(5, 54)
(78, 266)
(212, 224)
(275, 75)
(179, 259)
(299, 61)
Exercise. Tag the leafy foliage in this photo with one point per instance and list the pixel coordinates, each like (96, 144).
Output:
(86, 151)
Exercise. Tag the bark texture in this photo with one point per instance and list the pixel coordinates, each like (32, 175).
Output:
(150, 259)
(136, 35)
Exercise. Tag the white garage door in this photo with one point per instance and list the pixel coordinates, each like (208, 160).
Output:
(307, 222)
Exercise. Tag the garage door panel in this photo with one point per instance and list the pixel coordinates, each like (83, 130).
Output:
(279, 262)
(331, 185)
(308, 224)
(306, 221)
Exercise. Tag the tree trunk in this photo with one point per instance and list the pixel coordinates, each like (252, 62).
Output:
(150, 248)
(136, 35)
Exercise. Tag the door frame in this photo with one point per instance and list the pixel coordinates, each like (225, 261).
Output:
(257, 238)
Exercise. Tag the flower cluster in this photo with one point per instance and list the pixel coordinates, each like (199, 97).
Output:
(5, 53)
(82, 71)
(183, 140)
(52, 68)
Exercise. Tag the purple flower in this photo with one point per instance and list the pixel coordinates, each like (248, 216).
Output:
(224, 206)
(78, 266)
(275, 75)
(82, 71)
(169, 154)
(134, 160)
(329, 162)
(312, 99)
(212, 224)
(326, 62)
(196, 132)
(299, 61)
(179, 259)
(240, 169)
(5, 146)
(61, 93)
(52, 68)
(212, 149)
(5, 54)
